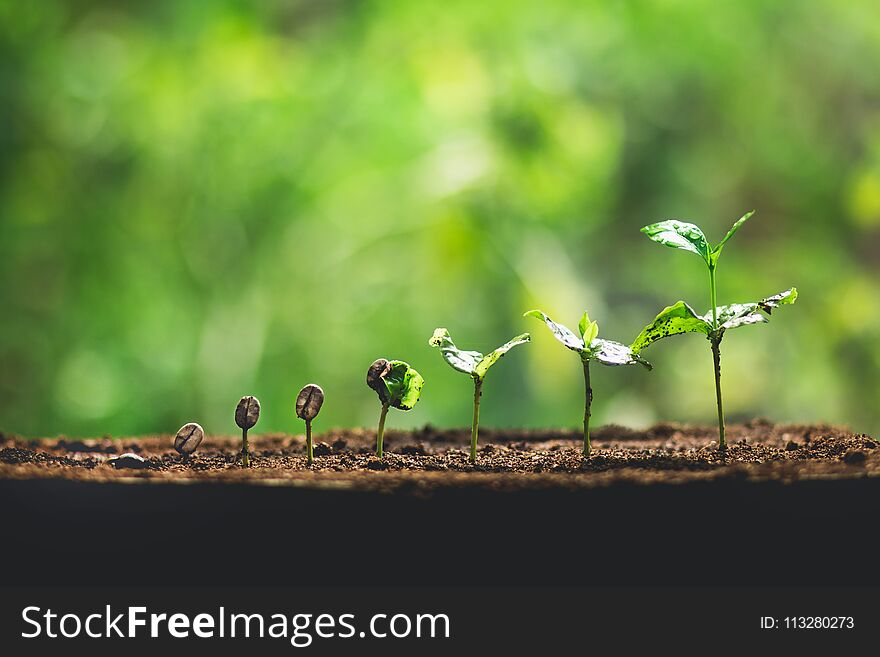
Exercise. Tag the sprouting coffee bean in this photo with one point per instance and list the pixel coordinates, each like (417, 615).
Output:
(247, 412)
(378, 371)
(309, 402)
(188, 438)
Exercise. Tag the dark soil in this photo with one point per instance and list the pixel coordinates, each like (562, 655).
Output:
(787, 505)
(431, 457)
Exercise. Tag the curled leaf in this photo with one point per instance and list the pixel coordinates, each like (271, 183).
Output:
(471, 362)
(673, 320)
(613, 353)
(463, 361)
(404, 385)
(491, 358)
(395, 382)
(562, 333)
(679, 235)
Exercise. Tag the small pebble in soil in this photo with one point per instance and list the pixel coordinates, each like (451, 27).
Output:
(791, 446)
(322, 449)
(129, 460)
(854, 456)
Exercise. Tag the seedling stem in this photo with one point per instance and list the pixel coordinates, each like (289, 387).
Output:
(380, 434)
(309, 448)
(245, 452)
(475, 427)
(588, 403)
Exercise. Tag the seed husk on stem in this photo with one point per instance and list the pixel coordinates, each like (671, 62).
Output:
(308, 405)
(246, 415)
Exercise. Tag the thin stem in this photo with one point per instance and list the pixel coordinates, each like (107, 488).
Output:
(588, 404)
(380, 434)
(713, 297)
(310, 452)
(716, 357)
(475, 427)
(245, 452)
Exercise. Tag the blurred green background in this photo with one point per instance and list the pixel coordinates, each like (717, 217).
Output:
(205, 200)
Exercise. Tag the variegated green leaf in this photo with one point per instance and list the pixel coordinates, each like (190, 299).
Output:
(613, 353)
(463, 361)
(491, 358)
(560, 332)
(679, 235)
(673, 320)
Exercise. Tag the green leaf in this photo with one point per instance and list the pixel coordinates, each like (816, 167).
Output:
(582, 325)
(716, 252)
(613, 353)
(673, 320)
(782, 299)
(463, 361)
(746, 314)
(560, 332)
(490, 359)
(404, 385)
(679, 235)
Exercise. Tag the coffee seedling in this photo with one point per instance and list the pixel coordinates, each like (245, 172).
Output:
(188, 439)
(681, 318)
(590, 347)
(398, 385)
(246, 415)
(308, 404)
(475, 364)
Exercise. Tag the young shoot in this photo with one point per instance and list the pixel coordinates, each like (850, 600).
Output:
(308, 404)
(475, 364)
(681, 318)
(246, 415)
(398, 386)
(188, 439)
(590, 347)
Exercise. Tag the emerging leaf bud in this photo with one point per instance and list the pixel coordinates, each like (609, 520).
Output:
(247, 412)
(188, 438)
(309, 402)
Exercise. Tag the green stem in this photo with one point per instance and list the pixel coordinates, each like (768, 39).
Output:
(713, 298)
(245, 452)
(588, 404)
(716, 357)
(310, 452)
(380, 434)
(475, 427)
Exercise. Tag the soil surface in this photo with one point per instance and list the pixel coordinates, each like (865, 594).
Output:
(429, 458)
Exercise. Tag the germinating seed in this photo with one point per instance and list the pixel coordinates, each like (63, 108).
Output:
(188, 438)
(247, 412)
(378, 371)
(309, 402)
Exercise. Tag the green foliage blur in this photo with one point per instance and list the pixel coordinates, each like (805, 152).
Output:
(201, 200)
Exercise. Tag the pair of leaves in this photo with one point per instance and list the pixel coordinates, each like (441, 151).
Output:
(690, 237)
(471, 362)
(588, 345)
(681, 318)
(396, 383)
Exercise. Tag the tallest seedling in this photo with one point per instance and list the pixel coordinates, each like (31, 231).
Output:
(681, 318)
